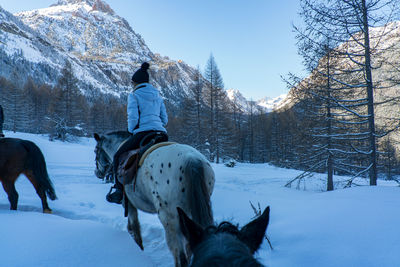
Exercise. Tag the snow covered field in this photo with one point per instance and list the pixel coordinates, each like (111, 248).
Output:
(351, 227)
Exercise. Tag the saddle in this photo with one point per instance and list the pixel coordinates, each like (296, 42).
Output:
(131, 161)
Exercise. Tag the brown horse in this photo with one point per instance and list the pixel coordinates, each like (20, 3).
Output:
(17, 157)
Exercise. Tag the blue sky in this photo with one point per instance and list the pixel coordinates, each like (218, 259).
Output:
(252, 41)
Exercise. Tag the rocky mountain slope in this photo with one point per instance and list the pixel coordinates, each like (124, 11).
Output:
(24, 52)
(103, 49)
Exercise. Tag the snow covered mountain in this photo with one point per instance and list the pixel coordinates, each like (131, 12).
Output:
(266, 104)
(271, 103)
(103, 49)
(24, 52)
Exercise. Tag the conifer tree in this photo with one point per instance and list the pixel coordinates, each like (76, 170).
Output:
(29, 108)
(338, 48)
(66, 114)
(197, 91)
(215, 101)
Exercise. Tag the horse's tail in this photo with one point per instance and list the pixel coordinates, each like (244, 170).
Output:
(37, 163)
(198, 195)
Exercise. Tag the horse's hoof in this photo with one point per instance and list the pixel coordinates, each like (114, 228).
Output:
(48, 211)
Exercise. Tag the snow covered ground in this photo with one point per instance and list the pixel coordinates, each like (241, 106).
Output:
(349, 227)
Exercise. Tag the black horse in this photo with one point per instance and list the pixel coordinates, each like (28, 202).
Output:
(224, 245)
(21, 156)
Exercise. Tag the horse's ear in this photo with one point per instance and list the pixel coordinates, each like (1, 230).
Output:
(96, 137)
(190, 229)
(252, 234)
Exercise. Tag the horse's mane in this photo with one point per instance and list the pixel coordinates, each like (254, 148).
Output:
(120, 134)
(223, 227)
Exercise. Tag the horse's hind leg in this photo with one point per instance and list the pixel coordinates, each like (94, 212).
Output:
(9, 187)
(175, 239)
(41, 193)
(134, 225)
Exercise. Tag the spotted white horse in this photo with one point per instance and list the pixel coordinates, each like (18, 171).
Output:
(171, 176)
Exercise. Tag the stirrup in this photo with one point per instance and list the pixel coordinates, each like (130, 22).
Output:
(116, 196)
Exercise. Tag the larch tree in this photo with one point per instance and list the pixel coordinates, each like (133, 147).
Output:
(197, 90)
(214, 100)
(66, 114)
(339, 31)
(191, 114)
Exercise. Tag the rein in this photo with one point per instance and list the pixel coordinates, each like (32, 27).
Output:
(106, 166)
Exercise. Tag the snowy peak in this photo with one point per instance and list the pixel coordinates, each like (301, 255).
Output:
(236, 97)
(89, 29)
(103, 7)
(271, 103)
(96, 5)
(73, 2)
(266, 104)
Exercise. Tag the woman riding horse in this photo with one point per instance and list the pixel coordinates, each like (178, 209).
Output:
(146, 115)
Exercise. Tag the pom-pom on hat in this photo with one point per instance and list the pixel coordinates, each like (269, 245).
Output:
(141, 75)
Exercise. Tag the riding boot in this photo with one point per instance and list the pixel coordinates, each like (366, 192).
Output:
(117, 195)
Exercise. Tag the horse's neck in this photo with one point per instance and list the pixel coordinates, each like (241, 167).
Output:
(114, 146)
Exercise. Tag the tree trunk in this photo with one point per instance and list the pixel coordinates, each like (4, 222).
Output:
(329, 126)
(370, 93)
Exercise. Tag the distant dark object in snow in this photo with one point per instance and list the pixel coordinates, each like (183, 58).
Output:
(230, 163)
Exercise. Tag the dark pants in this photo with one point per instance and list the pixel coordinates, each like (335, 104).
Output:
(1, 119)
(133, 142)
